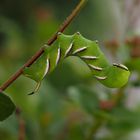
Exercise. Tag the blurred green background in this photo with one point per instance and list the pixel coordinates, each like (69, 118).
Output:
(71, 104)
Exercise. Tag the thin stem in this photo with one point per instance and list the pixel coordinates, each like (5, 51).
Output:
(21, 134)
(119, 96)
(98, 123)
(21, 129)
(41, 51)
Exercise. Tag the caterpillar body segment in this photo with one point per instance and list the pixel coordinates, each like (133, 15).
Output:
(38, 70)
(116, 77)
(111, 75)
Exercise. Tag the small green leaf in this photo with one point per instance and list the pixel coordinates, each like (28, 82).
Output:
(7, 107)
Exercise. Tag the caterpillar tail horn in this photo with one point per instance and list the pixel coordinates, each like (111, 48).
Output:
(36, 88)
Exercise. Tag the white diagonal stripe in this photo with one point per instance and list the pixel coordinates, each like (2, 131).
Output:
(47, 67)
(100, 77)
(120, 66)
(69, 49)
(95, 67)
(58, 56)
(89, 57)
(79, 50)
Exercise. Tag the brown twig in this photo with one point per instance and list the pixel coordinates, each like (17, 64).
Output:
(21, 134)
(41, 51)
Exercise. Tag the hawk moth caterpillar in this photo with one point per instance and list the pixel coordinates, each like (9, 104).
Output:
(111, 75)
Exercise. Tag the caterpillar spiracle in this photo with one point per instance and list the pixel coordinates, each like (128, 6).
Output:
(111, 75)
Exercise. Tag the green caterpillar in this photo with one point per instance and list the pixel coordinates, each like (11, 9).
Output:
(113, 76)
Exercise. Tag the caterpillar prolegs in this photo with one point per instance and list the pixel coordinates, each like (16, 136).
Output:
(111, 75)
